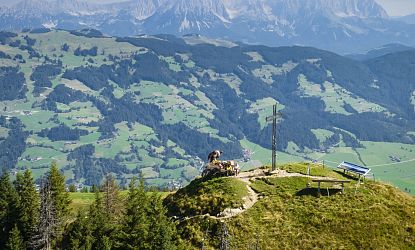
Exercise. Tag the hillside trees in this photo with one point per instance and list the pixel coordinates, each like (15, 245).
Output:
(48, 226)
(62, 133)
(29, 219)
(112, 200)
(54, 209)
(42, 76)
(59, 195)
(9, 201)
(100, 228)
(28, 207)
(86, 52)
(12, 84)
(14, 145)
(142, 225)
(145, 225)
(15, 241)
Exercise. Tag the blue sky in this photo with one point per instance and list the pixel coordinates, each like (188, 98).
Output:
(393, 7)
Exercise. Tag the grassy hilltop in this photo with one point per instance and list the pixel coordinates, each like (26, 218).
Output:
(290, 215)
(286, 212)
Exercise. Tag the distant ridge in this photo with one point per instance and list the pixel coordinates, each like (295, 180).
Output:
(343, 26)
(384, 50)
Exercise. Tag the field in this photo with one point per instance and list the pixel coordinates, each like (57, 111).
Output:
(335, 97)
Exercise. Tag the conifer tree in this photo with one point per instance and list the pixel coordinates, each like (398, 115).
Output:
(60, 196)
(162, 230)
(9, 201)
(79, 233)
(15, 241)
(112, 200)
(145, 224)
(101, 225)
(47, 230)
(92, 230)
(135, 227)
(29, 205)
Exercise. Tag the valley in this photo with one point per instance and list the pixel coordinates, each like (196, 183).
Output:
(157, 105)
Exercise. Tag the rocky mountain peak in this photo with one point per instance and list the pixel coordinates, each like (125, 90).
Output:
(51, 7)
(201, 8)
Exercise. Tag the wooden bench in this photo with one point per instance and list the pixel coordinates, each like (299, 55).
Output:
(356, 169)
(331, 181)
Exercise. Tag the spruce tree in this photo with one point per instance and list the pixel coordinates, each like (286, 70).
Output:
(145, 224)
(162, 230)
(60, 196)
(9, 201)
(29, 205)
(78, 235)
(135, 228)
(15, 241)
(101, 225)
(112, 200)
(92, 230)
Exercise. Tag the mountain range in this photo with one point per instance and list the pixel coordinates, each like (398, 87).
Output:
(344, 26)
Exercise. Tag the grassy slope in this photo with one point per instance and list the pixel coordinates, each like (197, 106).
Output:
(207, 197)
(377, 216)
(372, 216)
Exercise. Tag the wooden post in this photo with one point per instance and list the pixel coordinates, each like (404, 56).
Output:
(319, 188)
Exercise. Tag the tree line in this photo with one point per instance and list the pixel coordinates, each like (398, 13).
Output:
(42, 219)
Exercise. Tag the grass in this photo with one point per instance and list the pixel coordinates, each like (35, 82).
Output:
(203, 196)
(81, 201)
(263, 108)
(233, 81)
(4, 132)
(378, 216)
(334, 96)
(322, 134)
(256, 57)
(266, 72)
(290, 215)
(315, 170)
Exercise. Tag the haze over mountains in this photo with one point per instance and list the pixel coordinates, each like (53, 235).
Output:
(344, 26)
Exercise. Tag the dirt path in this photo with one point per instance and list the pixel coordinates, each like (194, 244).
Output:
(249, 201)
(253, 197)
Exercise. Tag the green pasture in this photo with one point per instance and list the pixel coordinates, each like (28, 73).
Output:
(334, 96)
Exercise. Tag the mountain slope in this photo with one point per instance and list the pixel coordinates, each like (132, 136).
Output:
(157, 105)
(384, 50)
(342, 26)
(408, 19)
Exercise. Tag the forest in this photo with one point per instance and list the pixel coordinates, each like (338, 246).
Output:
(37, 215)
